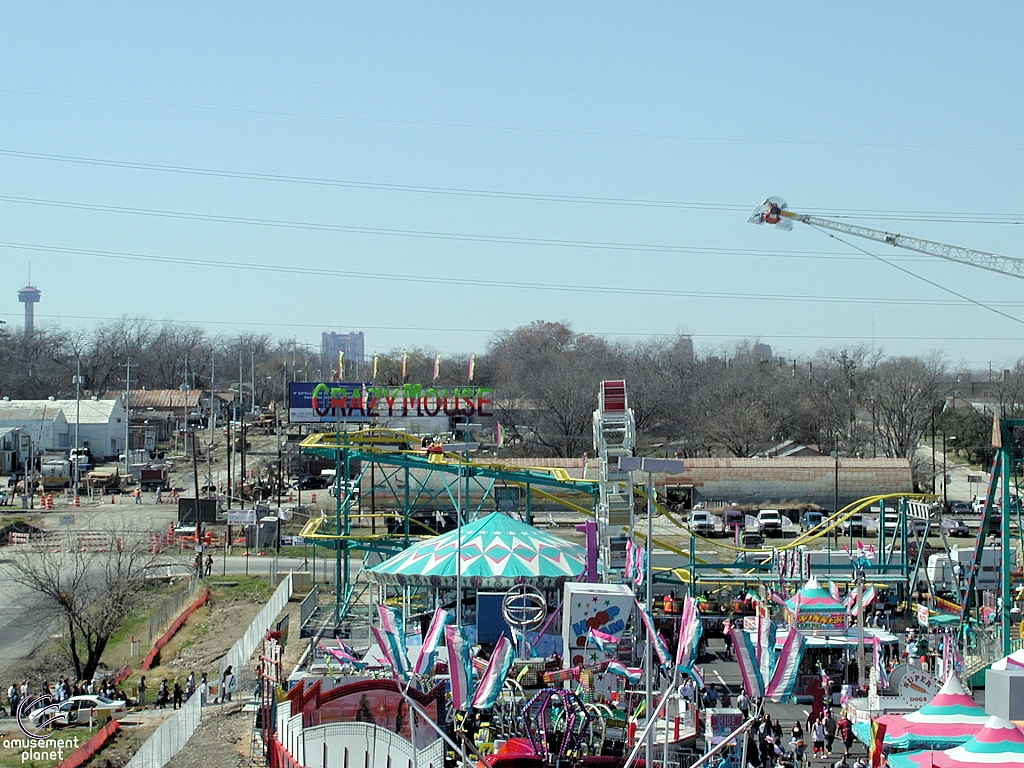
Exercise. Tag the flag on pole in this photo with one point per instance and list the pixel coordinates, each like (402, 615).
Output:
(430, 642)
(499, 435)
(877, 741)
(341, 364)
(493, 677)
(458, 667)
(780, 687)
(343, 654)
(746, 657)
(374, 377)
(393, 652)
(603, 640)
(690, 630)
(640, 563)
(437, 364)
(766, 631)
(632, 674)
(390, 620)
(405, 360)
(654, 636)
(833, 589)
(879, 663)
(471, 372)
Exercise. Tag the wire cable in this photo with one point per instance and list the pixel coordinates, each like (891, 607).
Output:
(464, 281)
(919, 277)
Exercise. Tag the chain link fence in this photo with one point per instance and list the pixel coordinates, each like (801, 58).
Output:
(177, 729)
(173, 604)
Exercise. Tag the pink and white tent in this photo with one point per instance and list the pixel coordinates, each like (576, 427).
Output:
(999, 743)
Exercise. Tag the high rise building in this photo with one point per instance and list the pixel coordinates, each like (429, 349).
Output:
(332, 343)
(28, 296)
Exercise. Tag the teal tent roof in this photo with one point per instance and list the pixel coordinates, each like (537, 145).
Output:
(497, 551)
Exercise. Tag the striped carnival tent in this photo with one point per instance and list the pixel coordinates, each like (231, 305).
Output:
(949, 719)
(813, 607)
(998, 743)
(497, 552)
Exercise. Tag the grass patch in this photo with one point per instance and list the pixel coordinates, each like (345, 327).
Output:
(10, 758)
(253, 589)
(118, 650)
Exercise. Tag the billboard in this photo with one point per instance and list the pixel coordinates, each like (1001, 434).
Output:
(322, 402)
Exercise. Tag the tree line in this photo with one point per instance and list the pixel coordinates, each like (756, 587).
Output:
(730, 401)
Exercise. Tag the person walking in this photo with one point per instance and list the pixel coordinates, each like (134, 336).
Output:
(162, 694)
(830, 732)
(190, 685)
(140, 690)
(137, 493)
(209, 565)
(159, 494)
(743, 704)
(204, 690)
(13, 697)
(177, 695)
(228, 684)
(818, 736)
(845, 730)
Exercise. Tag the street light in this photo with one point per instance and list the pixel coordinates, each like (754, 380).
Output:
(835, 495)
(650, 466)
(945, 477)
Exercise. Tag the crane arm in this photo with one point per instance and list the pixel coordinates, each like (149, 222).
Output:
(773, 211)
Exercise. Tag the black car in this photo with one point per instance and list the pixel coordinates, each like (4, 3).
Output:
(312, 482)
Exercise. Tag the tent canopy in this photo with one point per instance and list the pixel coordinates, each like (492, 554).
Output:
(497, 552)
(949, 719)
(814, 598)
(998, 743)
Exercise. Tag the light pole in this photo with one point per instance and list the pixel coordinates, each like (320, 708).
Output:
(835, 494)
(650, 466)
(945, 477)
(465, 447)
(78, 425)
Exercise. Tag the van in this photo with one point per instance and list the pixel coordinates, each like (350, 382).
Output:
(811, 520)
(769, 522)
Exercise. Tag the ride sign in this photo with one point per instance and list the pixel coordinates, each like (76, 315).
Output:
(330, 402)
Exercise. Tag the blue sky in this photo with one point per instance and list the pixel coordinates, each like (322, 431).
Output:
(863, 108)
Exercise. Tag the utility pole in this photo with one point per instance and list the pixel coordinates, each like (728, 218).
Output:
(78, 425)
(127, 416)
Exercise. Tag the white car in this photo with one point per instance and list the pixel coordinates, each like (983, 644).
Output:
(76, 710)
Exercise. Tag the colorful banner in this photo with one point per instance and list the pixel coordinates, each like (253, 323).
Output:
(390, 620)
(780, 687)
(876, 745)
(374, 376)
(393, 652)
(405, 360)
(458, 667)
(879, 663)
(344, 655)
(654, 636)
(632, 674)
(746, 657)
(429, 651)
(604, 640)
(493, 677)
(812, 621)
(605, 608)
(499, 435)
(766, 631)
(690, 630)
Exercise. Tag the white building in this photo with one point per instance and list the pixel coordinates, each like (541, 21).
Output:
(101, 425)
(42, 420)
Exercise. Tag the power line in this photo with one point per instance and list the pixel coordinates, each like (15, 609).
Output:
(773, 141)
(436, 235)
(505, 284)
(629, 334)
(978, 218)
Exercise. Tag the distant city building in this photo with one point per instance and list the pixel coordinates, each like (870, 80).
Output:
(28, 296)
(332, 343)
(762, 351)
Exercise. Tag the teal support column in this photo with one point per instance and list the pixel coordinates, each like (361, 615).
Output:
(529, 505)
(1007, 544)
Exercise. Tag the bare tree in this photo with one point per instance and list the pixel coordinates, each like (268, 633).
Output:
(90, 594)
(906, 392)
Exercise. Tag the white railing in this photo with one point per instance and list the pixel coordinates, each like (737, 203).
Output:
(175, 731)
(170, 737)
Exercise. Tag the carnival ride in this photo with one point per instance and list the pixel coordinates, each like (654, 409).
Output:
(1008, 434)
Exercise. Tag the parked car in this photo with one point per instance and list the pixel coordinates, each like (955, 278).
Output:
(953, 527)
(769, 522)
(959, 508)
(705, 524)
(734, 518)
(855, 525)
(811, 519)
(76, 710)
(752, 540)
(311, 483)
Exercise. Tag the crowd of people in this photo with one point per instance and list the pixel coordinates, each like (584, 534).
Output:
(767, 746)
